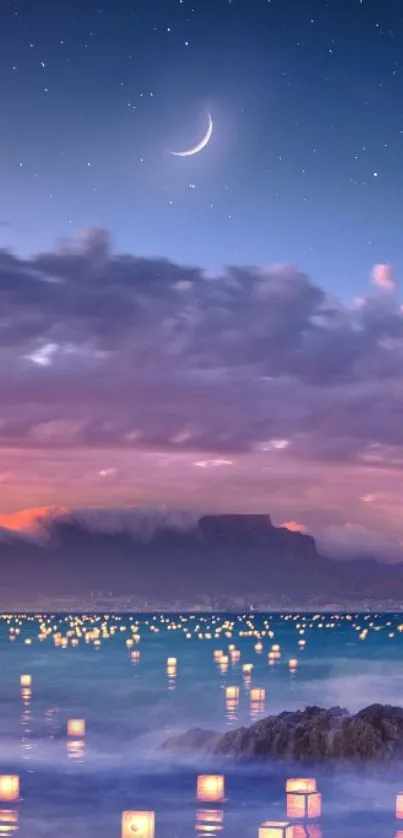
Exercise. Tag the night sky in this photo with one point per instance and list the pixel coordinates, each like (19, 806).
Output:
(221, 331)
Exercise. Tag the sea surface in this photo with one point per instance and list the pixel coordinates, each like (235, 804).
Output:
(112, 673)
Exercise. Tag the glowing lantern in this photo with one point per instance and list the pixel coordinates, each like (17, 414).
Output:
(218, 654)
(172, 662)
(259, 648)
(210, 788)
(293, 664)
(304, 804)
(235, 656)
(9, 787)
(140, 824)
(301, 784)
(258, 695)
(25, 680)
(135, 656)
(399, 806)
(232, 693)
(247, 668)
(276, 829)
(76, 728)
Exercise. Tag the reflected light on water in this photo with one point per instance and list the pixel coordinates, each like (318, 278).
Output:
(8, 821)
(209, 821)
(276, 829)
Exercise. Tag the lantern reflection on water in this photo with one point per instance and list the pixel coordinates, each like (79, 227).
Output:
(209, 821)
(210, 788)
(76, 727)
(141, 824)
(276, 829)
(8, 821)
(304, 804)
(399, 806)
(232, 693)
(307, 831)
(75, 749)
(9, 787)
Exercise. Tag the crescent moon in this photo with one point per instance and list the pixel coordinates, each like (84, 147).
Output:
(200, 146)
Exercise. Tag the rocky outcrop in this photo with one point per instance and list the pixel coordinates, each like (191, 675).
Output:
(313, 735)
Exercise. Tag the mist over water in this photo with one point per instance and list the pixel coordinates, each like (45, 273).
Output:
(113, 672)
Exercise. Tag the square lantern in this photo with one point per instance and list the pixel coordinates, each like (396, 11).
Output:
(304, 804)
(76, 727)
(276, 829)
(25, 680)
(305, 784)
(399, 806)
(140, 824)
(9, 787)
(210, 788)
(258, 694)
(232, 693)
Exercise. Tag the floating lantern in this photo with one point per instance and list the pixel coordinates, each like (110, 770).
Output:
(235, 656)
(293, 664)
(141, 824)
(9, 787)
(247, 668)
(210, 788)
(76, 728)
(304, 804)
(399, 806)
(276, 829)
(301, 784)
(25, 680)
(217, 654)
(258, 695)
(232, 693)
(135, 656)
(258, 647)
(172, 662)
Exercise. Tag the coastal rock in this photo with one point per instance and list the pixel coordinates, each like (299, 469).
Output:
(313, 735)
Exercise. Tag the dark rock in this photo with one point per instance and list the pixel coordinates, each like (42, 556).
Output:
(313, 735)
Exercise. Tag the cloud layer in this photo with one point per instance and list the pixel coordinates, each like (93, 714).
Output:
(114, 352)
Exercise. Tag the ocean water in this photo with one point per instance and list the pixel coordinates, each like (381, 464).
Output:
(112, 671)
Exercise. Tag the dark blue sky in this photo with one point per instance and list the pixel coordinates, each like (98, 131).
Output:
(304, 166)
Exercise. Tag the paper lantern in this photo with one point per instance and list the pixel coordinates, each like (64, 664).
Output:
(140, 824)
(135, 656)
(304, 784)
(276, 829)
(9, 787)
(399, 806)
(247, 668)
(304, 804)
(258, 695)
(218, 653)
(76, 727)
(172, 662)
(293, 664)
(210, 788)
(25, 680)
(232, 693)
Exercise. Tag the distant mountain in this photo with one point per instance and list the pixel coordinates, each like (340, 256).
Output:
(172, 557)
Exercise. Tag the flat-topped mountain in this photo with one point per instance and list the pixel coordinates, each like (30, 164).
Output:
(177, 556)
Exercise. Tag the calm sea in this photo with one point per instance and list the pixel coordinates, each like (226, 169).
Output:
(112, 673)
